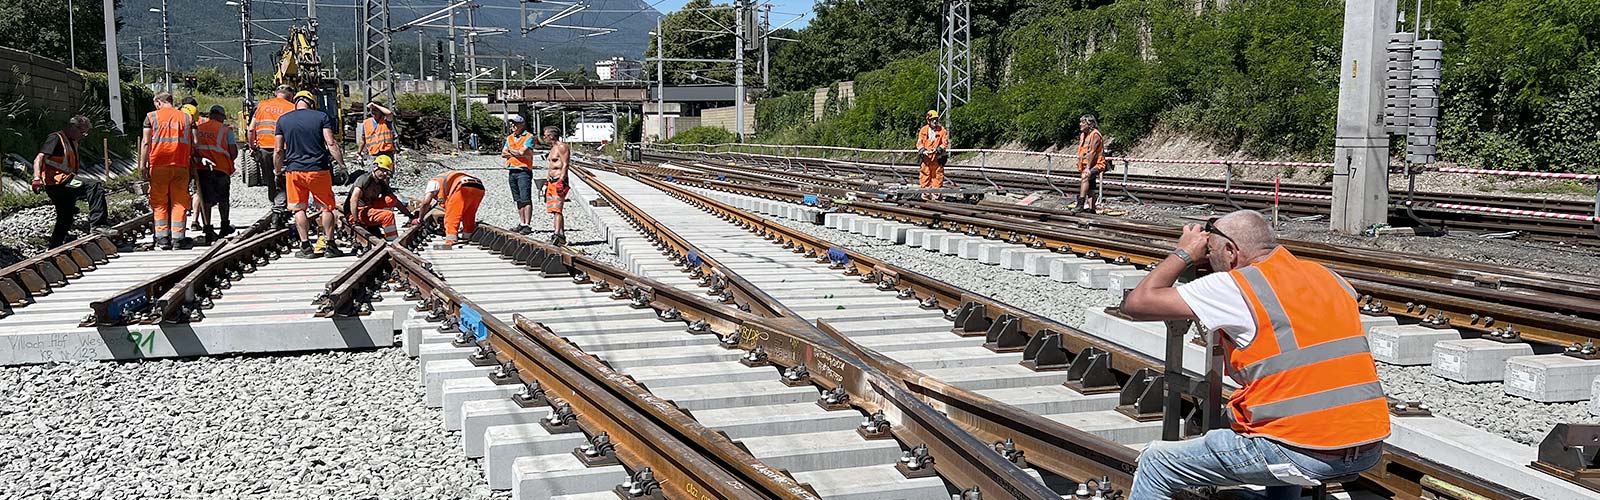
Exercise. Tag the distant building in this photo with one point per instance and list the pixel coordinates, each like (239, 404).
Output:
(618, 69)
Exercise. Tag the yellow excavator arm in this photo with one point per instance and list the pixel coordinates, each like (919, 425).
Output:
(300, 66)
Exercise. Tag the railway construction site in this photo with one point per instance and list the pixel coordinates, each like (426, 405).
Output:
(698, 311)
(726, 328)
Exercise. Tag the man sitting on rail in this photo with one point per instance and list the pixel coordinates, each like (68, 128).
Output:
(460, 193)
(1311, 408)
(933, 149)
(371, 201)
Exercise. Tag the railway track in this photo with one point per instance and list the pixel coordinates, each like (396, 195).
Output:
(1294, 200)
(727, 356)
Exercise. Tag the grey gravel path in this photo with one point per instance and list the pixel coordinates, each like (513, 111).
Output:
(325, 425)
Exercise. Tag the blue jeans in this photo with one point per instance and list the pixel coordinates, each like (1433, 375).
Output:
(1225, 458)
(521, 180)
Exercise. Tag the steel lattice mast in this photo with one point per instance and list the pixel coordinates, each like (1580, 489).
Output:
(377, 74)
(955, 56)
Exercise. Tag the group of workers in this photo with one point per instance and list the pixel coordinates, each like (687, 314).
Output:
(933, 152)
(179, 148)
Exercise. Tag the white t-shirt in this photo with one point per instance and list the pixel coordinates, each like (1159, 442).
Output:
(432, 188)
(1219, 303)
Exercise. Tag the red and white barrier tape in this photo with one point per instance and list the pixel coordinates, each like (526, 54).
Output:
(1510, 211)
(1251, 163)
(1304, 196)
(1516, 173)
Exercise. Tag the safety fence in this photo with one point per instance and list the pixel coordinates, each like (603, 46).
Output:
(776, 152)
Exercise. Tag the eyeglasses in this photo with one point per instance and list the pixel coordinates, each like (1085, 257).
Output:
(1211, 227)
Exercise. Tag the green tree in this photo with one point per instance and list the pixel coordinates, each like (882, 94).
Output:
(700, 30)
(41, 28)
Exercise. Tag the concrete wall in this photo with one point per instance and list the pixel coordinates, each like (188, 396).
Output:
(819, 98)
(674, 124)
(725, 118)
(46, 84)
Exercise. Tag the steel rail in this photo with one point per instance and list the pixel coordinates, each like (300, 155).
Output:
(205, 281)
(1399, 476)
(688, 460)
(352, 291)
(1478, 307)
(40, 274)
(137, 303)
(961, 459)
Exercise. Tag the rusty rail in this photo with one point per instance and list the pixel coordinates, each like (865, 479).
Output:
(41, 274)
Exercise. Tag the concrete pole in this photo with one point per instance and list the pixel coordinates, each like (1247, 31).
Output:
(249, 79)
(113, 77)
(738, 69)
(472, 60)
(1361, 145)
(166, 48)
(661, 84)
(141, 61)
(72, 37)
(766, 55)
(455, 135)
(420, 52)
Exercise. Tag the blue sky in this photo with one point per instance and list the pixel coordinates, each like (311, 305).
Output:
(782, 10)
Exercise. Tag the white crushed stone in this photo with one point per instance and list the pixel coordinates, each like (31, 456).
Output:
(321, 425)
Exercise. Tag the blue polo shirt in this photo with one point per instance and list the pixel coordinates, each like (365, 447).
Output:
(300, 139)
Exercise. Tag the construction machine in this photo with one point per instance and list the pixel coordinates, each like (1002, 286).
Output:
(300, 66)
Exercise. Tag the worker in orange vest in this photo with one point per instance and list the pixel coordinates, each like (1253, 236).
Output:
(55, 172)
(1310, 408)
(262, 139)
(459, 193)
(165, 149)
(1091, 161)
(933, 150)
(376, 137)
(555, 184)
(214, 142)
(518, 153)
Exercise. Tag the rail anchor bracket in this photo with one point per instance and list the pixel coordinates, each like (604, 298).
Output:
(1569, 452)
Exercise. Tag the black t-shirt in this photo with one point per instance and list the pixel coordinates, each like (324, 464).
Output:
(52, 146)
(300, 138)
(371, 188)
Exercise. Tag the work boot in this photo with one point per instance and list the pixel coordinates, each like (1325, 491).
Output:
(195, 227)
(163, 242)
(227, 229)
(211, 234)
(523, 230)
(332, 251)
(305, 251)
(185, 243)
(558, 239)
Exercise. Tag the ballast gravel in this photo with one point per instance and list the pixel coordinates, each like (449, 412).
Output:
(327, 425)
(1482, 405)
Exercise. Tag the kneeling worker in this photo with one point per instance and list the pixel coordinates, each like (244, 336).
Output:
(460, 193)
(372, 201)
(1311, 408)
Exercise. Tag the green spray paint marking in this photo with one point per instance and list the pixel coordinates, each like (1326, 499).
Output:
(143, 341)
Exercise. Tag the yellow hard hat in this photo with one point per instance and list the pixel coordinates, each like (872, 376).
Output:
(933, 113)
(308, 96)
(385, 163)
(190, 110)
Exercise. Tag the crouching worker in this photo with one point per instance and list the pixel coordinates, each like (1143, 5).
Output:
(372, 202)
(459, 193)
(1311, 408)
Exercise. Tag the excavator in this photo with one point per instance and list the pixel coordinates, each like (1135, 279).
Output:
(300, 66)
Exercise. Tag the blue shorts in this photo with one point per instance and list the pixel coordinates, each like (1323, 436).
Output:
(521, 180)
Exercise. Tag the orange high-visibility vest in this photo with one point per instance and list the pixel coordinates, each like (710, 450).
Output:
(169, 145)
(266, 118)
(526, 159)
(211, 140)
(450, 182)
(1097, 150)
(60, 169)
(939, 139)
(1309, 379)
(379, 137)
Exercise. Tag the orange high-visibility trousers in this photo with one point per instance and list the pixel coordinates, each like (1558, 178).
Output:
(932, 174)
(378, 215)
(169, 200)
(462, 209)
